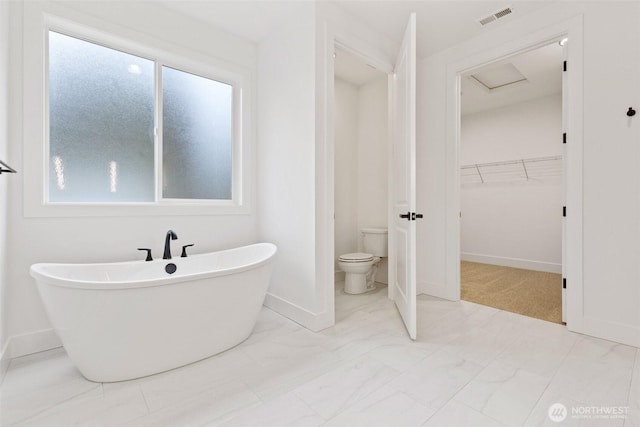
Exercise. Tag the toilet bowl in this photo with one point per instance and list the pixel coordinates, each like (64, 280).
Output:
(360, 267)
(360, 272)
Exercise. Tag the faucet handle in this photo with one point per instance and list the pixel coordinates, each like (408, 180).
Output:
(148, 253)
(184, 250)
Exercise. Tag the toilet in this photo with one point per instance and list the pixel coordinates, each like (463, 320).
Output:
(360, 267)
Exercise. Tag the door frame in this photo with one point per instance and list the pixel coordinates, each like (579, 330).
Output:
(325, 172)
(563, 113)
(573, 122)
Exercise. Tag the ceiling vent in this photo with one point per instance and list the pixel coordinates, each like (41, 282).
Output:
(495, 16)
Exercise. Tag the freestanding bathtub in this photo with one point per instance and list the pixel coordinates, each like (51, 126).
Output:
(124, 320)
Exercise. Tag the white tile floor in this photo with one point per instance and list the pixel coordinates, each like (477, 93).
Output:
(471, 366)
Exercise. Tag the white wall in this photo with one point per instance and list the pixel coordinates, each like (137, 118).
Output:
(286, 163)
(605, 294)
(373, 140)
(373, 159)
(98, 239)
(515, 223)
(346, 168)
(4, 140)
(360, 164)
(520, 131)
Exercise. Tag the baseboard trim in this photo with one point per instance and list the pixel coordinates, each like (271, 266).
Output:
(32, 342)
(4, 361)
(526, 264)
(306, 318)
(611, 331)
(437, 290)
(24, 344)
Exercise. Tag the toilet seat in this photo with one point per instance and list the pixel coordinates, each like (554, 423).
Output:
(356, 257)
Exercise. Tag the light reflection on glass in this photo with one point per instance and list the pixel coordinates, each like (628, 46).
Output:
(113, 176)
(134, 69)
(59, 169)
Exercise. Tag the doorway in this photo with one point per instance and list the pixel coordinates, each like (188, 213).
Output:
(512, 183)
(360, 168)
(401, 175)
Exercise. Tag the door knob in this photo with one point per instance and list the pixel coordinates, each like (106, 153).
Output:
(410, 216)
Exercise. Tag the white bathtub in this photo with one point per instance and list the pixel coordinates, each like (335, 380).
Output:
(119, 321)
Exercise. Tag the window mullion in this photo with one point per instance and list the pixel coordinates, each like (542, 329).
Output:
(158, 131)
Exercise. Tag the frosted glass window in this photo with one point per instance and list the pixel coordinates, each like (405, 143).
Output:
(101, 123)
(125, 129)
(197, 115)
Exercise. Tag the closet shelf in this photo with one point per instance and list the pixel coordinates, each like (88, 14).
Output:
(511, 170)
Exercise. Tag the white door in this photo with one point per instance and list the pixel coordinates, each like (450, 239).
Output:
(402, 214)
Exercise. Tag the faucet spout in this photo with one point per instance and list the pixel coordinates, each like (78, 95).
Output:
(171, 235)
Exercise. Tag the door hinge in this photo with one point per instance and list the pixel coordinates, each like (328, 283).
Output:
(564, 138)
(564, 211)
(564, 283)
(564, 66)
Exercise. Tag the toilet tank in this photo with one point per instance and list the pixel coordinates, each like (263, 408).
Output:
(375, 242)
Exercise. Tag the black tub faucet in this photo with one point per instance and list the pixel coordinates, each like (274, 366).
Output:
(149, 257)
(184, 250)
(171, 235)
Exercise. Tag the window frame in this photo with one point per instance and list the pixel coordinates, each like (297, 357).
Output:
(198, 70)
(36, 200)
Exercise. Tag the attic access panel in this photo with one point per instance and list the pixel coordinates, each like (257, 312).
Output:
(500, 76)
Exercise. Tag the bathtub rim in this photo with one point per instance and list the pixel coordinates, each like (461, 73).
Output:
(38, 271)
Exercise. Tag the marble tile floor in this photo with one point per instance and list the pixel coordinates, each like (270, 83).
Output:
(471, 366)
